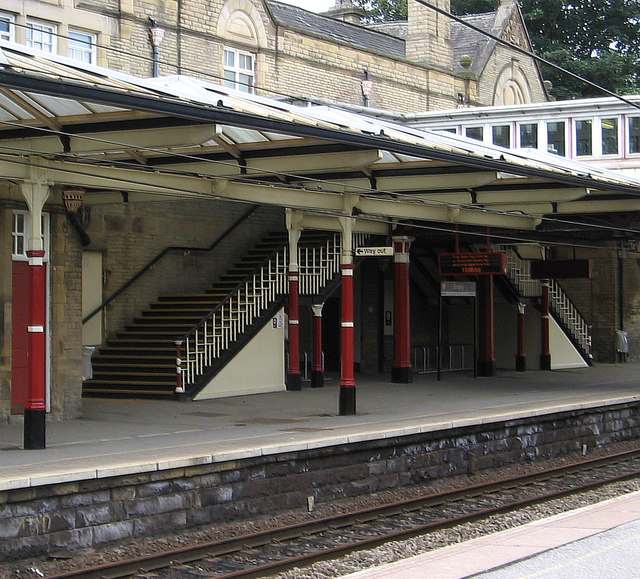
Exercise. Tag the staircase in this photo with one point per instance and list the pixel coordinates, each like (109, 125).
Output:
(519, 272)
(181, 340)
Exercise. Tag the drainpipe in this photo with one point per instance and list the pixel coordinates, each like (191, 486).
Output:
(156, 34)
(367, 87)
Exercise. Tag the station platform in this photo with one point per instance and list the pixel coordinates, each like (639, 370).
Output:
(600, 540)
(118, 437)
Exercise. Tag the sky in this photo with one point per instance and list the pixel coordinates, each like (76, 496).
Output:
(312, 5)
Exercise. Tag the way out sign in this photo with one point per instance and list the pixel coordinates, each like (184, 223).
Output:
(374, 251)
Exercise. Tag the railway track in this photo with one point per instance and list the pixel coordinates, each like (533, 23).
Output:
(272, 551)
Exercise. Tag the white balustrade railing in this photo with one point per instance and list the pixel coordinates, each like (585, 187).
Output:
(519, 272)
(198, 350)
(564, 308)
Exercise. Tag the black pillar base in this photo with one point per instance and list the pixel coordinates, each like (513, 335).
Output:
(486, 368)
(347, 402)
(401, 375)
(545, 361)
(317, 379)
(521, 363)
(34, 429)
(294, 382)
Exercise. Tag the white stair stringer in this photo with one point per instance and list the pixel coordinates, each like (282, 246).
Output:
(519, 272)
(199, 349)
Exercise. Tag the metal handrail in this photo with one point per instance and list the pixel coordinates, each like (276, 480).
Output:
(145, 268)
(519, 272)
(200, 347)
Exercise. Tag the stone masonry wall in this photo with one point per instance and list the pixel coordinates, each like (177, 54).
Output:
(289, 62)
(631, 283)
(131, 235)
(5, 312)
(429, 35)
(66, 318)
(92, 513)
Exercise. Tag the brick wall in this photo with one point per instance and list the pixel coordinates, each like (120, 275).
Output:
(597, 299)
(130, 235)
(288, 61)
(66, 317)
(5, 310)
(429, 35)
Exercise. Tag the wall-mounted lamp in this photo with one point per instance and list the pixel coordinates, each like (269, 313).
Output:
(156, 35)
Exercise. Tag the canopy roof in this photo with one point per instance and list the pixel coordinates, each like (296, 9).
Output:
(122, 137)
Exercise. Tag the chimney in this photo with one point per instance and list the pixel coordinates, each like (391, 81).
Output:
(429, 35)
(346, 11)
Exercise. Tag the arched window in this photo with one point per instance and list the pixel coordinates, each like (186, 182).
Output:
(512, 87)
(512, 94)
(241, 27)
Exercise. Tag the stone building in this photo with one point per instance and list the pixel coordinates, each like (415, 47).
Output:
(281, 51)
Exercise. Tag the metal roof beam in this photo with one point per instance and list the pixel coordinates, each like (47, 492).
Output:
(158, 139)
(331, 223)
(526, 195)
(452, 180)
(286, 165)
(599, 206)
(144, 181)
(426, 212)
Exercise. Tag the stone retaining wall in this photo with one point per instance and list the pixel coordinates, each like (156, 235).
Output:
(94, 512)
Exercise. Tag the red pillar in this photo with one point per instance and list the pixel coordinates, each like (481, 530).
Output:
(35, 407)
(347, 403)
(521, 357)
(401, 371)
(317, 372)
(545, 351)
(487, 363)
(294, 376)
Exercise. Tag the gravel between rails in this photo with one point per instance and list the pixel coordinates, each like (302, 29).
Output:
(396, 551)
(59, 562)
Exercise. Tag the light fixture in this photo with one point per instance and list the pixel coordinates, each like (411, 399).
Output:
(156, 35)
(367, 88)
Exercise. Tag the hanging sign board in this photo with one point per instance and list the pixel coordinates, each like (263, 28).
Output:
(374, 251)
(458, 289)
(483, 263)
(561, 268)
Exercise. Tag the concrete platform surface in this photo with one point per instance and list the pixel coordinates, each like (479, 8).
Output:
(126, 436)
(599, 541)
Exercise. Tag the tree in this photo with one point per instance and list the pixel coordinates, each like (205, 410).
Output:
(596, 39)
(461, 7)
(383, 10)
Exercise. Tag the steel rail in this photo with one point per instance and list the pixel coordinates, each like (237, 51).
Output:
(185, 555)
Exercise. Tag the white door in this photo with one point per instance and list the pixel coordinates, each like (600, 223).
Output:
(91, 297)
